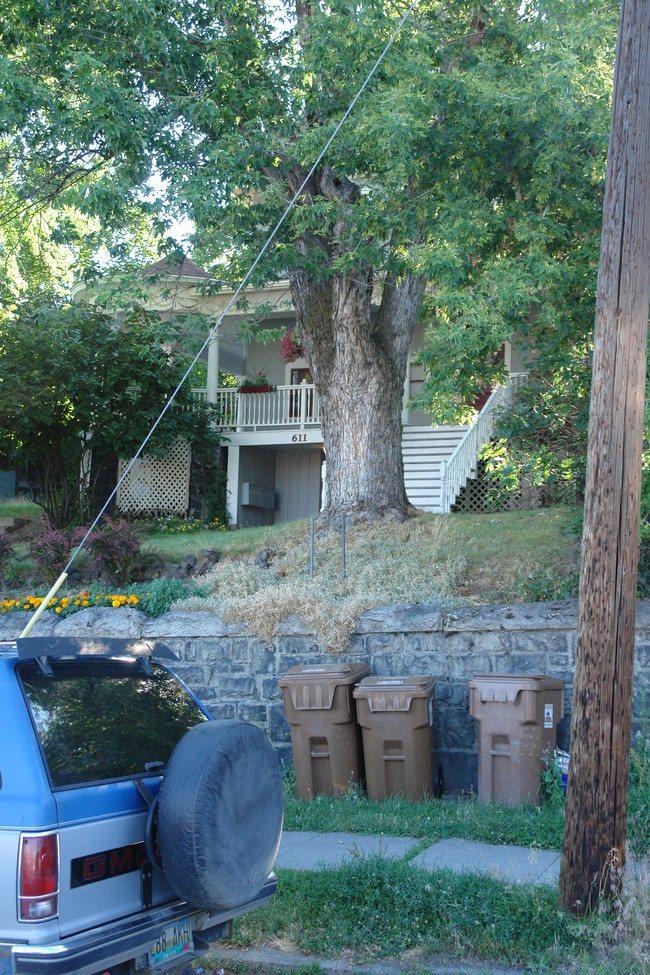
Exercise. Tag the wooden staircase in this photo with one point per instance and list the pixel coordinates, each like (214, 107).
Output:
(424, 450)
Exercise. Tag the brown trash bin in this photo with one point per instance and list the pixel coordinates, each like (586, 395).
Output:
(325, 738)
(396, 715)
(518, 716)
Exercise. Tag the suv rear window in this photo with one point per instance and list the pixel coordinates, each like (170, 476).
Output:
(106, 719)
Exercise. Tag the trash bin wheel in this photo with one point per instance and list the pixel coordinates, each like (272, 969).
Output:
(220, 814)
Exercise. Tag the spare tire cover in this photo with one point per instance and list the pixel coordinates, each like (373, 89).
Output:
(220, 814)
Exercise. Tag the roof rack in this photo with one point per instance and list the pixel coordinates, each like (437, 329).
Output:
(44, 648)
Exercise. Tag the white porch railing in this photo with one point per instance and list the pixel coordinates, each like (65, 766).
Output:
(284, 406)
(455, 473)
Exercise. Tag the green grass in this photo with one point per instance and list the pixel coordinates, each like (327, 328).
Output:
(19, 508)
(519, 541)
(437, 560)
(464, 817)
(638, 807)
(375, 908)
(504, 553)
(237, 543)
(430, 820)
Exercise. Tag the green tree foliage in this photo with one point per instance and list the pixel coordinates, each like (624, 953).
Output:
(73, 380)
(474, 161)
(33, 257)
(538, 285)
(529, 265)
(46, 243)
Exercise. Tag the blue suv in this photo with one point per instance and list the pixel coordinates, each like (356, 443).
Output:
(133, 827)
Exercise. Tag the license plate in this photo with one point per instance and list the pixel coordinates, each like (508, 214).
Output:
(174, 940)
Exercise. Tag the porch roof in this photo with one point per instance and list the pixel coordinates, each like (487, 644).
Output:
(184, 269)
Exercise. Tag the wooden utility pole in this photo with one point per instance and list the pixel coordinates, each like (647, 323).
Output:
(593, 855)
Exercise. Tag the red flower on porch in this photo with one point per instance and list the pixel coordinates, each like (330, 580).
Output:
(256, 383)
(291, 349)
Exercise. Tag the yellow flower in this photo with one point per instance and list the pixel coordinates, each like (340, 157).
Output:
(58, 609)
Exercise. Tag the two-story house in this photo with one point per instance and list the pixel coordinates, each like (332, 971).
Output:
(272, 435)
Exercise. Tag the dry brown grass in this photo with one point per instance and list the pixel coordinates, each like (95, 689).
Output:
(440, 560)
(410, 563)
(633, 922)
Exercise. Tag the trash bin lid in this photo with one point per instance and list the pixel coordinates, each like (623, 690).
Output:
(343, 673)
(394, 693)
(313, 686)
(504, 688)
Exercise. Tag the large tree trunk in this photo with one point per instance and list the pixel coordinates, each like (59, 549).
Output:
(593, 854)
(358, 358)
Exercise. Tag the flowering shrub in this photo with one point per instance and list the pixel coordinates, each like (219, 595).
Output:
(291, 349)
(256, 380)
(7, 554)
(69, 604)
(51, 548)
(182, 526)
(154, 599)
(116, 550)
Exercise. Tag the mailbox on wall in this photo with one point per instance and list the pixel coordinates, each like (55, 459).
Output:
(256, 496)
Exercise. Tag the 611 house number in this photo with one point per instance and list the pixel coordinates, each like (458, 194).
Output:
(299, 438)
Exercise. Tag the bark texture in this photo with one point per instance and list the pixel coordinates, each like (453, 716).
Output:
(593, 855)
(358, 360)
(358, 355)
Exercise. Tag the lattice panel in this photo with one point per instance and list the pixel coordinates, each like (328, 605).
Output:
(157, 487)
(475, 496)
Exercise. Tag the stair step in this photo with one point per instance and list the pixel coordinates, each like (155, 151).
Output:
(424, 449)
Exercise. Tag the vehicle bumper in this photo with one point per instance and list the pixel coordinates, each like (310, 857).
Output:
(86, 954)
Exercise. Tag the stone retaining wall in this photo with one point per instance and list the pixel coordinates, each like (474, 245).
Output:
(236, 674)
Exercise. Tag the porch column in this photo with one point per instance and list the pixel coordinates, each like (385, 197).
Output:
(407, 390)
(213, 370)
(232, 484)
(303, 404)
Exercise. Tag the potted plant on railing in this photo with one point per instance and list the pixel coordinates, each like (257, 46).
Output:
(256, 383)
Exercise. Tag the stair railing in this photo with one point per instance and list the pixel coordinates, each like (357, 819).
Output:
(455, 472)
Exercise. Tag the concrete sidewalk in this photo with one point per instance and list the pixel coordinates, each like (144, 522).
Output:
(274, 961)
(516, 864)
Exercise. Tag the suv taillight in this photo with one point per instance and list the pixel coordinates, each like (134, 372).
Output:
(38, 870)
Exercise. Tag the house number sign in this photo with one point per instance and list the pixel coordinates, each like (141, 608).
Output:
(299, 438)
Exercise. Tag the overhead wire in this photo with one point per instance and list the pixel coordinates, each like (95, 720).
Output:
(64, 575)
